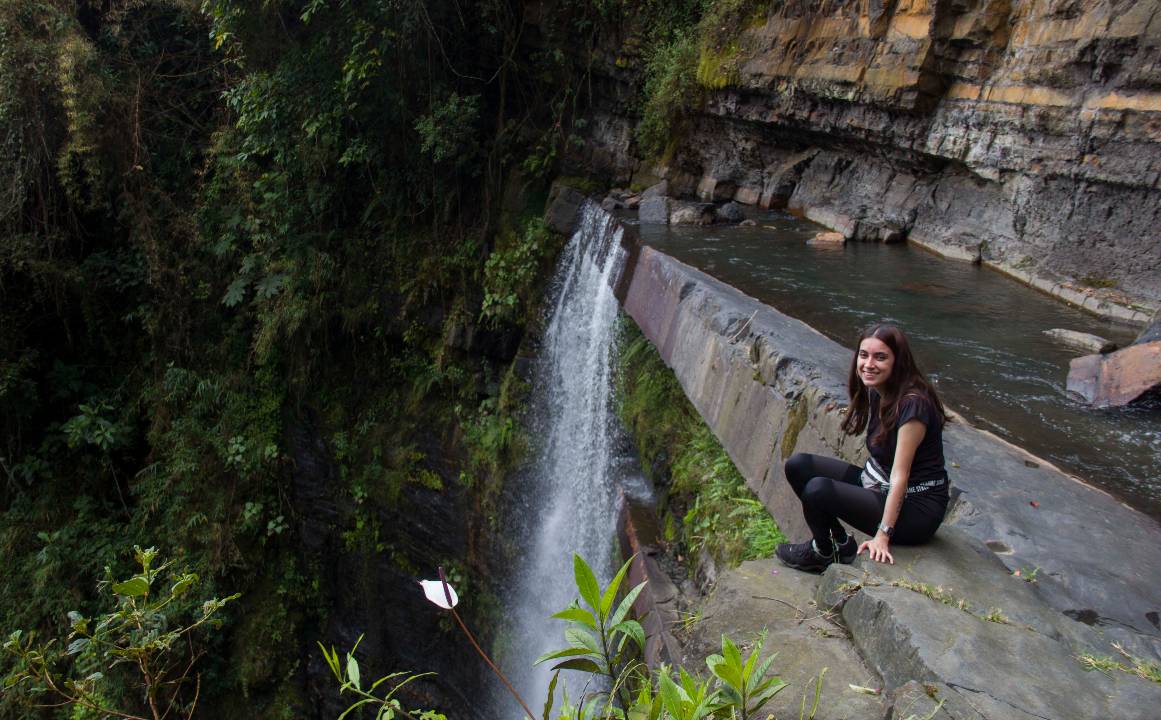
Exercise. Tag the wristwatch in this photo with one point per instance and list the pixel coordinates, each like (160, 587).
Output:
(887, 530)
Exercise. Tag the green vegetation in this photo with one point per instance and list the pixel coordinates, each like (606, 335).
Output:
(1144, 669)
(255, 255)
(690, 46)
(936, 593)
(147, 639)
(697, 480)
(602, 642)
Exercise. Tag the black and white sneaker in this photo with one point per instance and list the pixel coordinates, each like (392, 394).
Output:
(803, 556)
(846, 550)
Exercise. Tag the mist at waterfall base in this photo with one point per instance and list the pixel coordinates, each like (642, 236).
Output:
(566, 498)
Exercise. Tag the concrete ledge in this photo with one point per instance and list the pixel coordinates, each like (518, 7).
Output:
(769, 386)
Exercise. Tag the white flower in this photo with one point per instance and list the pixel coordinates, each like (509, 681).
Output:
(433, 589)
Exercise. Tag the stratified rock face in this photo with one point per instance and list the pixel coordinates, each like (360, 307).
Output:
(1024, 134)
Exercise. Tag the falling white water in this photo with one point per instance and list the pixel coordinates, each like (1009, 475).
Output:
(568, 500)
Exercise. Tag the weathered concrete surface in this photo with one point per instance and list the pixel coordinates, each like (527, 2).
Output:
(769, 386)
(1118, 378)
(757, 595)
(1022, 134)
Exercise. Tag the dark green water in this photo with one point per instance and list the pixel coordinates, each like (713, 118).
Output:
(977, 334)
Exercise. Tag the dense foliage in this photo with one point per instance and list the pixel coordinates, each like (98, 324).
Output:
(232, 233)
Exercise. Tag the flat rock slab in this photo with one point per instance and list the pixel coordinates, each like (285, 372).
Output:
(762, 594)
(1000, 671)
(962, 570)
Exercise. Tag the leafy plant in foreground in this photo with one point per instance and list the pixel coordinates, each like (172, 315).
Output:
(745, 684)
(348, 675)
(599, 636)
(143, 633)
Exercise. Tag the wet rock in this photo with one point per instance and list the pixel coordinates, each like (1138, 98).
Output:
(661, 189)
(731, 212)
(1118, 378)
(748, 223)
(1087, 342)
(827, 238)
(1152, 331)
(688, 213)
(564, 204)
(748, 196)
(654, 210)
(632, 202)
(610, 203)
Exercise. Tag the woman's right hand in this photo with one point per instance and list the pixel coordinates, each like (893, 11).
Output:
(876, 548)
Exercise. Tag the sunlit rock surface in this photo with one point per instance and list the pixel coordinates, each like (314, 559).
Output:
(1023, 134)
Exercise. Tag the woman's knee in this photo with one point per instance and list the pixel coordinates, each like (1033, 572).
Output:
(798, 469)
(819, 493)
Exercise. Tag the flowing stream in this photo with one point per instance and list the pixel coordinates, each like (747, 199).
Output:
(567, 498)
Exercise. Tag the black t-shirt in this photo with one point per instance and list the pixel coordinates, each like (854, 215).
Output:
(927, 468)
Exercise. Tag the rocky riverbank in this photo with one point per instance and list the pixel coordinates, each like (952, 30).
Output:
(1020, 135)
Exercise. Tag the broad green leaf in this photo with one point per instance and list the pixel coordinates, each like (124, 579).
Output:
(184, 583)
(235, 293)
(582, 664)
(720, 667)
(579, 615)
(610, 593)
(767, 692)
(579, 638)
(748, 670)
(135, 587)
(633, 629)
(77, 646)
(626, 605)
(759, 676)
(586, 582)
(567, 652)
(672, 696)
(353, 671)
(731, 654)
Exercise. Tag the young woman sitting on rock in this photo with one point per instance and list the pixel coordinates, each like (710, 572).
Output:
(901, 494)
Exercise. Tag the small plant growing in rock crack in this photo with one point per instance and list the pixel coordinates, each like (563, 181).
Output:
(935, 592)
(1144, 669)
(995, 615)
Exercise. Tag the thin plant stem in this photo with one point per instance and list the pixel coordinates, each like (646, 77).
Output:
(476, 645)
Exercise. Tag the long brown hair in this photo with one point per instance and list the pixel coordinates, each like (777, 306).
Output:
(905, 379)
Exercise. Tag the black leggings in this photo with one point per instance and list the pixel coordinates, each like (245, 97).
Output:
(831, 490)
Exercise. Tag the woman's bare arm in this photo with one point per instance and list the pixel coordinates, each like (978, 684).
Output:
(907, 442)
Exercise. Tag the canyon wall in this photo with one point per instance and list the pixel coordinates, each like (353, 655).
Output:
(1021, 134)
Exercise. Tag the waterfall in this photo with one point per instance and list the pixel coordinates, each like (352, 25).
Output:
(567, 499)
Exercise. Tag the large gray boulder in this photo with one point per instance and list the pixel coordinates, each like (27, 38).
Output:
(731, 212)
(564, 204)
(654, 210)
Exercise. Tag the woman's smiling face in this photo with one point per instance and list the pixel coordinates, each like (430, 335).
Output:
(875, 362)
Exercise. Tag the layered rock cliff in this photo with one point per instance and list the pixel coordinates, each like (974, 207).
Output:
(1022, 134)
